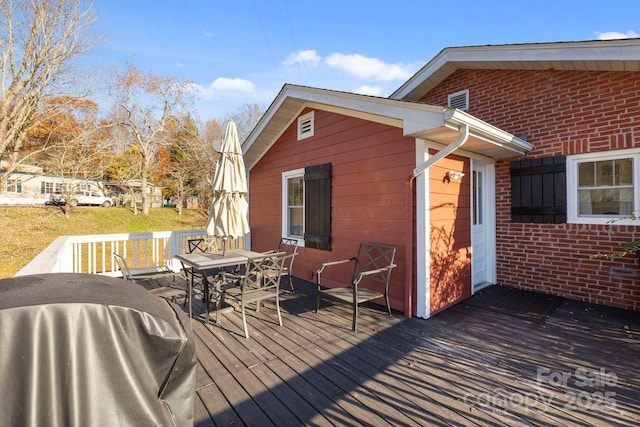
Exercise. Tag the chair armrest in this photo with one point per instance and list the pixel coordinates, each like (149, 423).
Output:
(327, 264)
(289, 256)
(363, 274)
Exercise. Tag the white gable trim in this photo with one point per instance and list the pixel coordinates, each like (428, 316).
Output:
(439, 124)
(593, 55)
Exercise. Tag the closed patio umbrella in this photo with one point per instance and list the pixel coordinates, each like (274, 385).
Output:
(228, 214)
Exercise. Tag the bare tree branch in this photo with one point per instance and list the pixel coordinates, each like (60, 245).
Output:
(38, 41)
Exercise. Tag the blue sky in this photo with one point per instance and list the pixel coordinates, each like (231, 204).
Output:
(243, 51)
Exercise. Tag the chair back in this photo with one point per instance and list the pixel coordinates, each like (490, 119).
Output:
(263, 273)
(290, 248)
(122, 265)
(196, 245)
(374, 256)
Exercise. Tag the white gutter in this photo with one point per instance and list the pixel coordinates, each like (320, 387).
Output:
(462, 138)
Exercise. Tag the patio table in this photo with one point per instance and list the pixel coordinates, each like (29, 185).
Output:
(204, 261)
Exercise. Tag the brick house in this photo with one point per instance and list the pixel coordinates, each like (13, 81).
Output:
(491, 165)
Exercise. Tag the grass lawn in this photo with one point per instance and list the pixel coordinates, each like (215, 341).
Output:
(27, 230)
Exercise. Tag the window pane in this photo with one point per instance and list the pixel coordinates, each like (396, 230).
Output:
(604, 173)
(585, 174)
(296, 222)
(296, 191)
(477, 198)
(606, 201)
(624, 171)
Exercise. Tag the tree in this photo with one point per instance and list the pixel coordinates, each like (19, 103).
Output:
(175, 167)
(246, 119)
(207, 158)
(76, 147)
(38, 41)
(146, 104)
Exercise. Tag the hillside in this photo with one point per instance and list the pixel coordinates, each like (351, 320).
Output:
(27, 230)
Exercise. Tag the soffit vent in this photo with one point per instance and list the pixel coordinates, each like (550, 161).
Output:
(459, 100)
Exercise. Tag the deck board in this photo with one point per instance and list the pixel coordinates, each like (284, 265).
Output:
(481, 362)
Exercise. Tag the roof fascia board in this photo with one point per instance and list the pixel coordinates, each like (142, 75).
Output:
(381, 110)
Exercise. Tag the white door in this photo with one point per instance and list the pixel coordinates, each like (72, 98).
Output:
(482, 226)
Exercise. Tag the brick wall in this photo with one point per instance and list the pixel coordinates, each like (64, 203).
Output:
(560, 112)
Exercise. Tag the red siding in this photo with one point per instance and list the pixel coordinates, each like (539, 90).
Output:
(450, 234)
(561, 112)
(371, 164)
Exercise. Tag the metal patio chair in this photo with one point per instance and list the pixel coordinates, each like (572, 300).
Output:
(290, 247)
(196, 277)
(167, 292)
(369, 279)
(260, 281)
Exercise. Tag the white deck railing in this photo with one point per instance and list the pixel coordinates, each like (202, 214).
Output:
(145, 253)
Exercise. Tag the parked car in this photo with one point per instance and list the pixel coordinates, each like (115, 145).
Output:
(90, 198)
(57, 199)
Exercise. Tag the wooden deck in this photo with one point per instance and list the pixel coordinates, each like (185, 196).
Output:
(552, 363)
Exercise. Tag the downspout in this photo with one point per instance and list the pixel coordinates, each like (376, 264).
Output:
(462, 138)
(409, 264)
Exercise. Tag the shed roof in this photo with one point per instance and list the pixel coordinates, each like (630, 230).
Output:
(434, 123)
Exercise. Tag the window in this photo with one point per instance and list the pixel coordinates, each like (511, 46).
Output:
(14, 185)
(477, 193)
(47, 187)
(306, 206)
(305, 126)
(459, 100)
(602, 186)
(293, 204)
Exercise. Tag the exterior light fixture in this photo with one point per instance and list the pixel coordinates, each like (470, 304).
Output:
(455, 175)
(452, 175)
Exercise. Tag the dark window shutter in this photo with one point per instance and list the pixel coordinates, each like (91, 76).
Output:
(19, 186)
(42, 187)
(317, 207)
(539, 190)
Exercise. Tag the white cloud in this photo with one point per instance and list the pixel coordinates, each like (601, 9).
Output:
(369, 68)
(369, 90)
(304, 57)
(613, 35)
(232, 85)
(224, 84)
(207, 34)
(179, 65)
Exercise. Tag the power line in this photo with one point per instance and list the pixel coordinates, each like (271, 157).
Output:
(293, 39)
(264, 33)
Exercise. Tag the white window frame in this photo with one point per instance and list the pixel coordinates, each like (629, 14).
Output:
(285, 205)
(11, 185)
(306, 126)
(572, 186)
(53, 187)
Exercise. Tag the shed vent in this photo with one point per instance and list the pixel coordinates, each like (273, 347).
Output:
(305, 126)
(459, 100)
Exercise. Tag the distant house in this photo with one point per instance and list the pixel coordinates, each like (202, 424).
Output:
(491, 165)
(31, 186)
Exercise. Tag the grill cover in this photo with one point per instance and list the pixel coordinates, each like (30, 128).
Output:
(90, 350)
